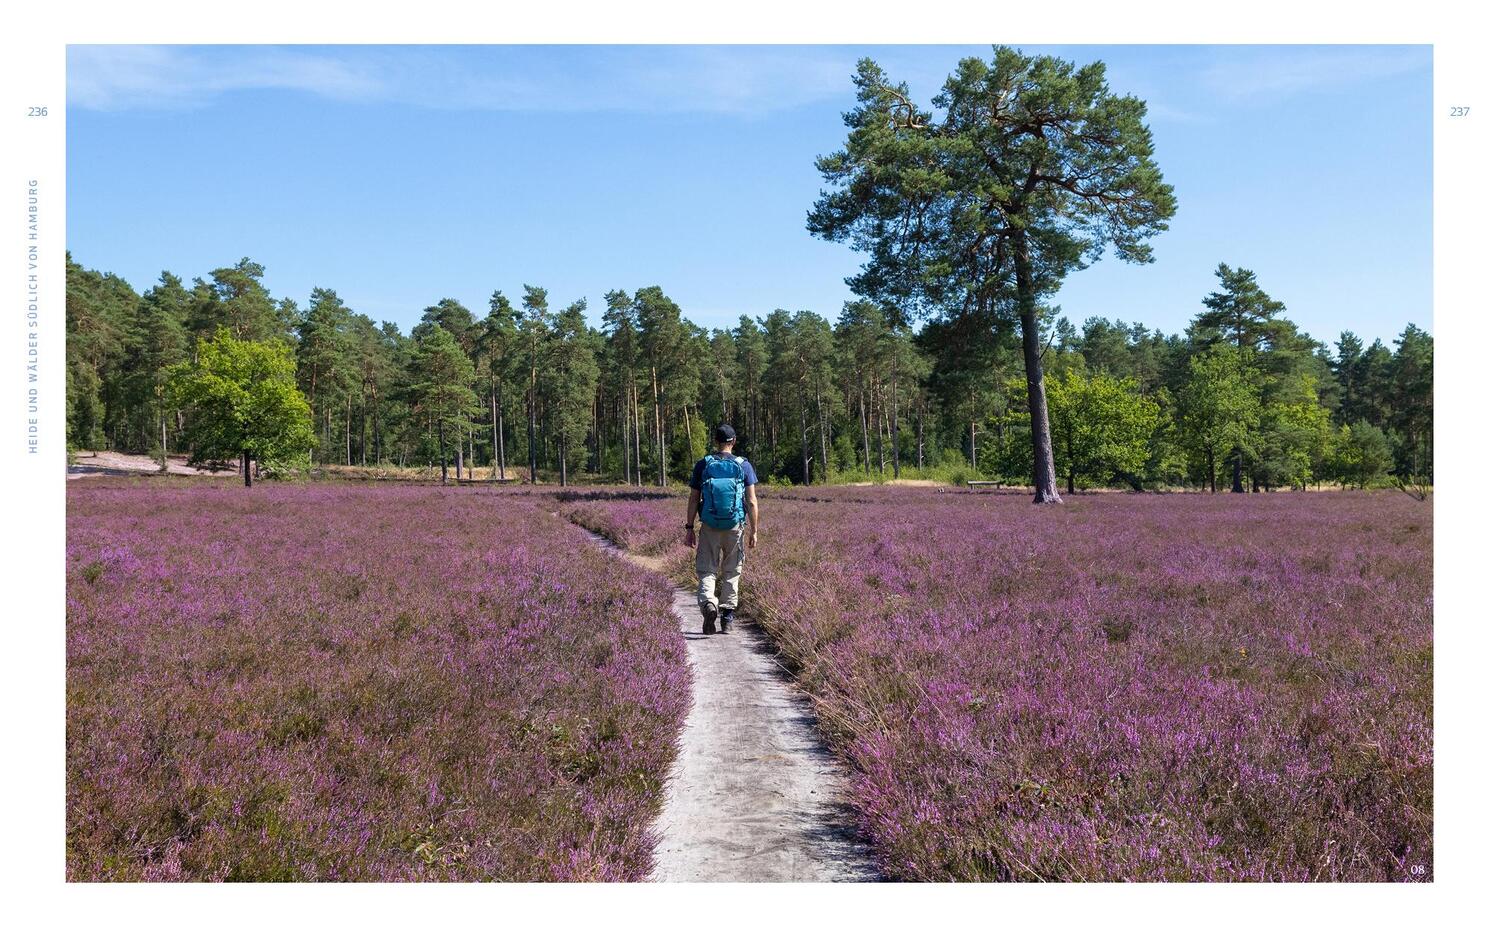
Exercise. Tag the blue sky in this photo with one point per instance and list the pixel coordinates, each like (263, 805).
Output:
(402, 175)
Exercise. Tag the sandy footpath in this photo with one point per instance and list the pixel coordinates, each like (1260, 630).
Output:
(754, 795)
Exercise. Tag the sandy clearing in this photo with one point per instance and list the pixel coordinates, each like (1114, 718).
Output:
(113, 463)
(754, 795)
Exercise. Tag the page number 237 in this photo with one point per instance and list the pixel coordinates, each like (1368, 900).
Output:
(1458, 111)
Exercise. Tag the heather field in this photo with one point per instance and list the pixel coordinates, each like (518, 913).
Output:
(1124, 687)
(419, 683)
(350, 682)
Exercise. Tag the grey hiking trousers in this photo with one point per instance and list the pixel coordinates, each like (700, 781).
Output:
(721, 554)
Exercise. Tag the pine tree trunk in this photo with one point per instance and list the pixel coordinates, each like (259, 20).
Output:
(806, 455)
(500, 429)
(442, 451)
(895, 427)
(921, 439)
(625, 435)
(531, 426)
(973, 444)
(635, 405)
(822, 437)
(495, 431)
(245, 466)
(1044, 475)
(312, 404)
(864, 428)
(661, 443)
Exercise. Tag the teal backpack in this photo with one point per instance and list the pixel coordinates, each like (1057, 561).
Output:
(723, 491)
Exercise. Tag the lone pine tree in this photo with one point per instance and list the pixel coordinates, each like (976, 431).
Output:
(1028, 171)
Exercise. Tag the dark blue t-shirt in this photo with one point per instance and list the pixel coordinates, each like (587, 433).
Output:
(697, 481)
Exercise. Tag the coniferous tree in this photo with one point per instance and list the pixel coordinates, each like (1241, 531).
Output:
(496, 346)
(1031, 169)
(568, 378)
(238, 300)
(534, 327)
(660, 322)
(325, 360)
(750, 368)
(623, 343)
(158, 341)
(441, 377)
(1411, 404)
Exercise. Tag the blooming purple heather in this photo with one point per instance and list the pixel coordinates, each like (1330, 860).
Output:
(1124, 687)
(647, 526)
(350, 682)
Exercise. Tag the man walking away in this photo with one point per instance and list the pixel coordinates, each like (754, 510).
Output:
(723, 498)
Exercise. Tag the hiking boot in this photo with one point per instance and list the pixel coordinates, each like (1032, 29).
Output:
(710, 614)
(726, 617)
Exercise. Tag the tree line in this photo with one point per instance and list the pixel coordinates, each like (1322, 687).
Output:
(1240, 400)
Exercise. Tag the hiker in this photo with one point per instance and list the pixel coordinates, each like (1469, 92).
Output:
(723, 498)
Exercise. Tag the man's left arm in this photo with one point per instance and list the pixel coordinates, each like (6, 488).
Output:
(752, 515)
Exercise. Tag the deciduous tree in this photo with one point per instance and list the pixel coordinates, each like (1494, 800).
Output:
(1104, 427)
(1218, 406)
(243, 402)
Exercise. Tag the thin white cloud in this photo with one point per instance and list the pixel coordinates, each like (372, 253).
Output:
(1287, 71)
(726, 79)
(115, 77)
(656, 79)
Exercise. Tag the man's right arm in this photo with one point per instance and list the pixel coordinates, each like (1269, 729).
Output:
(688, 540)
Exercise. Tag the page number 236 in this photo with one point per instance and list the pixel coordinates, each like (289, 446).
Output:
(36, 110)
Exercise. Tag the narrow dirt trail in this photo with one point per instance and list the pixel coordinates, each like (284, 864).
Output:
(754, 795)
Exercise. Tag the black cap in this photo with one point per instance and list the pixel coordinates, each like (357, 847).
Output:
(724, 433)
